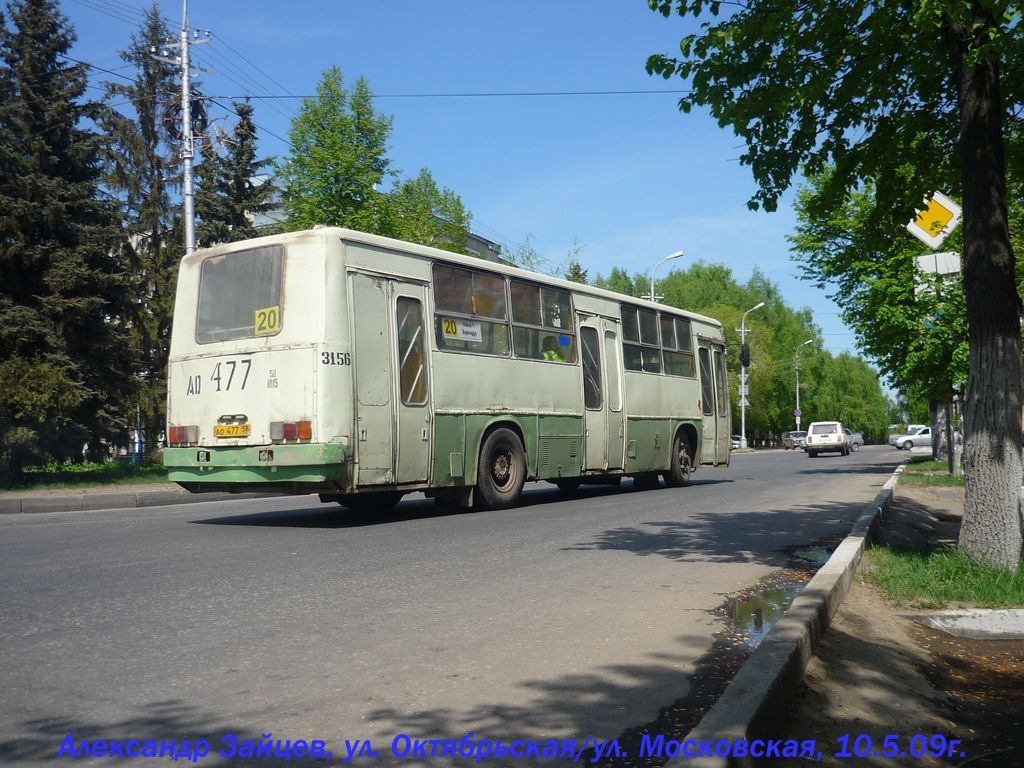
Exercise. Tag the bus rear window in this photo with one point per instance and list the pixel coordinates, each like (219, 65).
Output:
(240, 295)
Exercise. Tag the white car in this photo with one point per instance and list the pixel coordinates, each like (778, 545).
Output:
(826, 436)
(918, 436)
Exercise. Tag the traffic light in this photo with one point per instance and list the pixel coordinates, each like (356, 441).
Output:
(744, 354)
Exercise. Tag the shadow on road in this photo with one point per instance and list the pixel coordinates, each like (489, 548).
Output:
(568, 707)
(729, 537)
(333, 516)
(38, 740)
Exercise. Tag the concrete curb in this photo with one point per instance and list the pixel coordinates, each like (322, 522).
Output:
(757, 701)
(119, 500)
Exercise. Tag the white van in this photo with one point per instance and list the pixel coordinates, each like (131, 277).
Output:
(826, 436)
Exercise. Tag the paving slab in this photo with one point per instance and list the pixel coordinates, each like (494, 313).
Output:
(978, 623)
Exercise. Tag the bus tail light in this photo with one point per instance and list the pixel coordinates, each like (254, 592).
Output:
(183, 435)
(280, 431)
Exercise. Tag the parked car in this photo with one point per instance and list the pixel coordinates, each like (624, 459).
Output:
(826, 436)
(736, 441)
(920, 436)
(854, 439)
(795, 439)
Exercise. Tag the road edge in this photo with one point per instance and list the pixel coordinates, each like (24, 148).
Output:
(756, 703)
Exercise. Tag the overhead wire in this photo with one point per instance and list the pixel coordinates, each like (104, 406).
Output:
(242, 78)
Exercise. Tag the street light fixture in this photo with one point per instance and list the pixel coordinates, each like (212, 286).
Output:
(796, 361)
(744, 360)
(675, 255)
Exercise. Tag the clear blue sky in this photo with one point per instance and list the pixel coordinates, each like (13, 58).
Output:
(628, 178)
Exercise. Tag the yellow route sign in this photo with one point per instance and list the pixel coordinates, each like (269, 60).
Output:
(936, 221)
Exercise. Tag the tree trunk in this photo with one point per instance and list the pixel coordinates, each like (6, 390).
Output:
(991, 530)
(937, 419)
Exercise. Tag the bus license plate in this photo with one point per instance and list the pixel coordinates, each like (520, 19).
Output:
(232, 430)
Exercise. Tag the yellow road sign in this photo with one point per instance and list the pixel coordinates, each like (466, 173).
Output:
(936, 221)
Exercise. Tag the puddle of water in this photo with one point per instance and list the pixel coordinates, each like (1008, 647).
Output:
(815, 555)
(753, 615)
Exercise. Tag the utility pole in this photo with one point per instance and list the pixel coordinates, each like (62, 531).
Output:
(744, 362)
(796, 363)
(187, 139)
(187, 145)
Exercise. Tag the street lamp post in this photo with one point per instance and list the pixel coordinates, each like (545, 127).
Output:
(796, 362)
(743, 375)
(675, 255)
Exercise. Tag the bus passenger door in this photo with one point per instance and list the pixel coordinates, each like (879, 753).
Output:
(714, 402)
(613, 379)
(375, 443)
(709, 424)
(392, 389)
(603, 417)
(413, 401)
(723, 415)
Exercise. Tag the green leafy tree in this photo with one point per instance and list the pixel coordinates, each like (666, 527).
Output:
(774, 333)
(139, 166)
(419, 211)
(63, 353)
(619, 281)
(914, 97)
(918, 336)
(228, 190)
(338, 159)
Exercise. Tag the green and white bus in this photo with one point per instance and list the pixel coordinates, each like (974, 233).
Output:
(362, 368)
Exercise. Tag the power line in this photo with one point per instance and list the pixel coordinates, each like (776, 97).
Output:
(224, 64)
(254, 66)
(482, 94)
(121, 13)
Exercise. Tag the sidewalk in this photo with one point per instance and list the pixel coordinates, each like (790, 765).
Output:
(879, 671)
(107, 497)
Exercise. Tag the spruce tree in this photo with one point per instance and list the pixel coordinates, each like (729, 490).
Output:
(64, 363)
(141, 164)
(228, 191)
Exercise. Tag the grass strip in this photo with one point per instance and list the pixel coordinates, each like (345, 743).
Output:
(921, 464)
(943, 480)
(944, 578)
(84, 475)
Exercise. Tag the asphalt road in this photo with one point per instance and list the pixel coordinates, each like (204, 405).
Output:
(565, 617)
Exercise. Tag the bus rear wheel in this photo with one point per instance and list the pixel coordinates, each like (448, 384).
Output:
(678, 475)
(501, 471)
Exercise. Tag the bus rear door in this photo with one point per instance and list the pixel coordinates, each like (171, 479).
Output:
(392, 391)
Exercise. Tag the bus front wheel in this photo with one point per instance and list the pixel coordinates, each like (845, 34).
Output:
(678, 475)
(501, 471)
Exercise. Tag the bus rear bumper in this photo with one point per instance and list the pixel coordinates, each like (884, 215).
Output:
(297, 468)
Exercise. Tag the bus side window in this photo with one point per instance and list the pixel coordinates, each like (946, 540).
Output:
(640, 348)
(470, 312)
(542, 323)
(676, 346)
